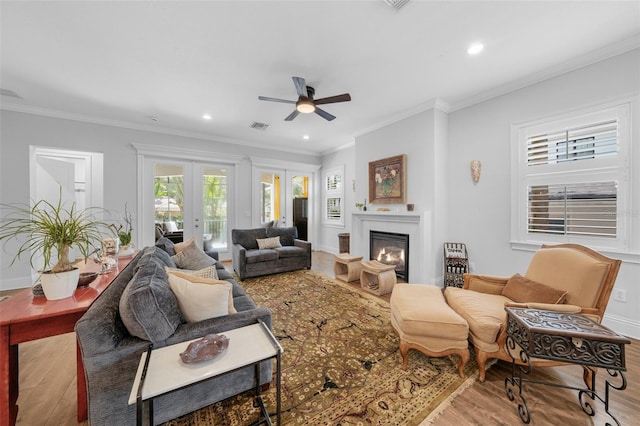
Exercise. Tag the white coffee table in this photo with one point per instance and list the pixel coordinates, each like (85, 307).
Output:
(162, 371)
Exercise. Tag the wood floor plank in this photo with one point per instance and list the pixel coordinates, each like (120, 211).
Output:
(48, 394)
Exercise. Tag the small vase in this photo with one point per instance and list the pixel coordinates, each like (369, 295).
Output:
(127, 251)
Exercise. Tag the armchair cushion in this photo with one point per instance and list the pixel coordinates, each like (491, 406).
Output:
(524, 290)
(483, 312)
(580, 274)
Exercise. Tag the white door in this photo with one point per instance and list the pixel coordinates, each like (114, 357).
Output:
(188, 199)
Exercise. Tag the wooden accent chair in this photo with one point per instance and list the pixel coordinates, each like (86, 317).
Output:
(585, 275)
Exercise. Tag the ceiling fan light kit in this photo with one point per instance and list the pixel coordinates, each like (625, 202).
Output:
(305, 103)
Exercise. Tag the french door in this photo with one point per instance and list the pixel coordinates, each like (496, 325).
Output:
(282, 196)
(188, 199)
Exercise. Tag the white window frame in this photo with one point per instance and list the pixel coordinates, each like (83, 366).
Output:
(328, 194)
(614, 168)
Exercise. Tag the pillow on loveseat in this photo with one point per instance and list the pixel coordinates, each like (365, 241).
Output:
(148, 307)
(523, 290)
(287, 235)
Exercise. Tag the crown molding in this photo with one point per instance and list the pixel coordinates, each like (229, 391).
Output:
(548, 73)
(45, 112)
(436, 103)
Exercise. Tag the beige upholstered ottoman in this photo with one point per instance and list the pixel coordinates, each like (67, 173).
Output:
(423, 321)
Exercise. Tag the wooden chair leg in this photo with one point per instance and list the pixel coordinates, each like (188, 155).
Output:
(481, 359)
(464, 358)
(404, 350)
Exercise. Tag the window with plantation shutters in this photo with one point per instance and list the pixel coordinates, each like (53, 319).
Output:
(334, 197)
(571, 174)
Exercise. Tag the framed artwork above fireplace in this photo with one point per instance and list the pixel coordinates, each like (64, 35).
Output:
(388, 180)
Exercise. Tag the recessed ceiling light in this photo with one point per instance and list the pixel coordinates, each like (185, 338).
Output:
(305, 137)
(206, 116)
(475, 48)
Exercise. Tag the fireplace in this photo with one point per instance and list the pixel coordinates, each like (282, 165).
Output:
(391, 249)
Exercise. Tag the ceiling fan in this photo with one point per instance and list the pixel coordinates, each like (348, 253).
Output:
(305, 103)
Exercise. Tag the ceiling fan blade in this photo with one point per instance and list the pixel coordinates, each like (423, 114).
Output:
(301, 86)
(293, 115)
(324, 114)
(284, 101)
(345, 97)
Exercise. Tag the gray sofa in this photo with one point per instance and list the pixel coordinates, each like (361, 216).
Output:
(111, 353)
(251, 261)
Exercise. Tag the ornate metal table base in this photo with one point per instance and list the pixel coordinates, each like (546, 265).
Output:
(572, 338)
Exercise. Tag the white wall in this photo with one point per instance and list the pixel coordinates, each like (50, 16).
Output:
(479, 214)
(440, 147)
(327, 235)
(19, 130)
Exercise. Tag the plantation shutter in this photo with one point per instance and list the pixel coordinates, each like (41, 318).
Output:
(588, 142)
(573, 209)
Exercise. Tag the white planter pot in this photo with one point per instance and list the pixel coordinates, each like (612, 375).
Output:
(60, 285)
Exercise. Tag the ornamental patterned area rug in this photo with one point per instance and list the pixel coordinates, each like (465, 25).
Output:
(341, 363)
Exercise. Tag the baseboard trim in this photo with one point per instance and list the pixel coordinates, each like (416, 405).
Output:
(622, 325)
(15, 283)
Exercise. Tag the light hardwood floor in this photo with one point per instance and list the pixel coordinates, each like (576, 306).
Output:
(48, 383)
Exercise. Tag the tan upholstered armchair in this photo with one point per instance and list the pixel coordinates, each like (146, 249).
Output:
(568, 277)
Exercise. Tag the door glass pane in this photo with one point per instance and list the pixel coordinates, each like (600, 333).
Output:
(169, 199)
(214, 204)
(269, 197)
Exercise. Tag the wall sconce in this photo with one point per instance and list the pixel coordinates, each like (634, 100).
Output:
(476, 168)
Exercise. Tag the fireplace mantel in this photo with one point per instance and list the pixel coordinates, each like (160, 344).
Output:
(416, 224)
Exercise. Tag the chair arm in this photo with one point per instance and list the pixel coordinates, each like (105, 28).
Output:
(305, 245)
(239, 260)
(490, 284)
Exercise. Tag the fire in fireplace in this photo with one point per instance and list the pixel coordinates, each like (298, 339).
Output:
(391, 249)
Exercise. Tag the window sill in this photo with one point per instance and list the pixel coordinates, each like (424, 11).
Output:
(626, 257)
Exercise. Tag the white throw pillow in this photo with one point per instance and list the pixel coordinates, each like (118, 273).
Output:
(268, 243)
(199, 298)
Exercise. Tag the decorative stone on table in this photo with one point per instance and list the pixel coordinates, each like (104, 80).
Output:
(205, 349)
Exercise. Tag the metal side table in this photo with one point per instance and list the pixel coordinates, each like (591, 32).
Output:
(161, 371)
(571, 338)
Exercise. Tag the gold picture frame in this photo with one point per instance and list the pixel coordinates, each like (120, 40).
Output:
(388, 180)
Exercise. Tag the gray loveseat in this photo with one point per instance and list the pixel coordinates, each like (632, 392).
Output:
(251, 261)
(111, 353)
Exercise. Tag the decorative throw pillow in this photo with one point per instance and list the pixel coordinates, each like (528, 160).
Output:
(192, 257)
(210, 272)
(523, 290)
(148, 308)
(203, 280)
(287, 235)
(200, 301)
(178, 247)
(268, 243)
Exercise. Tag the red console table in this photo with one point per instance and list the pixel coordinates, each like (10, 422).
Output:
(24, 317)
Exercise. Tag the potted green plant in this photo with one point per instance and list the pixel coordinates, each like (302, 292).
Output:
(125, 235)
(48, 231)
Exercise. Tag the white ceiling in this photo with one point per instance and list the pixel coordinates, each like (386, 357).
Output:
(124, 62)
